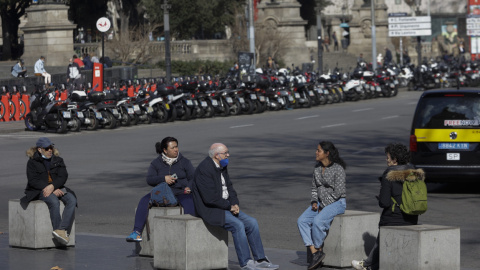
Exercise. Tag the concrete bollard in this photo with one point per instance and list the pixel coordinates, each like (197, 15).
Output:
(186, 242)
(426, 247)
(351, 236)
(32, 228)
(145, 248)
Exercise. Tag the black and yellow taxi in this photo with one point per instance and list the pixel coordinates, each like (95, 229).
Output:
(445, 135)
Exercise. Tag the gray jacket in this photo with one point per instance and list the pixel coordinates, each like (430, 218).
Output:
(329, 186)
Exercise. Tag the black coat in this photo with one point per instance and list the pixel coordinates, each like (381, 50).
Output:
(37, 176)
(207, 192)
(392, 186)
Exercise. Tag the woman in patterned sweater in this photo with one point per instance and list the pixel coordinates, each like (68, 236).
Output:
(328, 200)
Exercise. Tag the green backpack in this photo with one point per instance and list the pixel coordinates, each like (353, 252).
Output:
(414, 195)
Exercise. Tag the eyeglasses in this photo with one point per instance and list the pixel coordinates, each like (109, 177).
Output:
(48, 148)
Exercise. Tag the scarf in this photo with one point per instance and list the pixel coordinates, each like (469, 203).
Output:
(168, 160)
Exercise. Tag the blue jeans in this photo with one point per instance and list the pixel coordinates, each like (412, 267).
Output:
(246, 236)
(185, 200)
(313, 226)
(64, 221)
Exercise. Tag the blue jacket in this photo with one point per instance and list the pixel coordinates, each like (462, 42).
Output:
(182, 167)
(207, 192)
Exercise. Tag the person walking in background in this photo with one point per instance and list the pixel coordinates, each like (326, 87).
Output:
(391, 186)
(335, 41)
(19, 69)
(40, 70)
(73, 72)
(327, 201)
(388, 56)
(79, 61)
(47, 175)
(172, 168)
(326, 43)
(217, 204)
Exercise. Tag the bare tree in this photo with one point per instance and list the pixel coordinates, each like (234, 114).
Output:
(135, 46)
(269, 41)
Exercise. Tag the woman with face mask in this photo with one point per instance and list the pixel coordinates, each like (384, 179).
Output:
(175, 170)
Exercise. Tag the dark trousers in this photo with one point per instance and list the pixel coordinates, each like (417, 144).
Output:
(185, 200)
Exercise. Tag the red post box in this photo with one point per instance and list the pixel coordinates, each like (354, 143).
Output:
(97, 76)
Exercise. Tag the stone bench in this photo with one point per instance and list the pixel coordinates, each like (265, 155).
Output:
(420, 247)
(31, 227)
(145, 248)
(351, 236)
(186, 242)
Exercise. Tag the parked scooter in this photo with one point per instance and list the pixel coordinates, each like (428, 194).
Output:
(47, 112)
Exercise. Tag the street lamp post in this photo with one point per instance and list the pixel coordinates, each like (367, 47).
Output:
(374, 37)
(166, 25)
(319, 40)
(251, 35)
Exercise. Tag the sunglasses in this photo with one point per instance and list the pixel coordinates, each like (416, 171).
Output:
(48, 148)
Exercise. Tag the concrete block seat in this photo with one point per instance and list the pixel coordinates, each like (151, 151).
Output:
(187, 242)
(425, 247)
(145, 248)
(351, 236)
(31, 227)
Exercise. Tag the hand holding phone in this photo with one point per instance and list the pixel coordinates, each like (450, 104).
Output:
(174, 176)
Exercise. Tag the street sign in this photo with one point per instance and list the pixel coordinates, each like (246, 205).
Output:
(103, 24)
(409, 26)
(473, 32)
(410, 33)
(409, 19)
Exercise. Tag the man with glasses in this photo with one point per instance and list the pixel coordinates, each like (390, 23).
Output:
(47, 175)
(217, 204)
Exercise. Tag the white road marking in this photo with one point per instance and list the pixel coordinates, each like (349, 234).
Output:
(306, 117)
(361, 110)
(241, 126)
(390, 117)
(335, 125)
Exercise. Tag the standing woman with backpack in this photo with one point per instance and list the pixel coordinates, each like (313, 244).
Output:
(398, 171)
(172, 168)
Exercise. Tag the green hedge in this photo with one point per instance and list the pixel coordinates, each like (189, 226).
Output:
(198, 67)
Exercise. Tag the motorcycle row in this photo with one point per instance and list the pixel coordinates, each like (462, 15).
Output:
(441, 73)
(74, 107)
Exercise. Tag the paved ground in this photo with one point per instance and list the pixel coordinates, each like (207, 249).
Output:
(113, 252)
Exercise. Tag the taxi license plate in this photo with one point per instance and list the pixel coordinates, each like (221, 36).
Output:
(453, 156)
(454, 146)
(66, 114)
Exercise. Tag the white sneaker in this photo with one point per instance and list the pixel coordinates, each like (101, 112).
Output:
(266, 265)
(358, 265)
(250, 266)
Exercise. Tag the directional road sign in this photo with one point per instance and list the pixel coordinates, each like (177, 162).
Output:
(409, 26)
